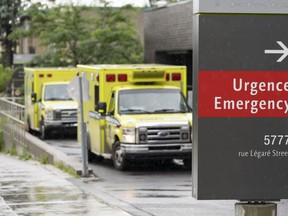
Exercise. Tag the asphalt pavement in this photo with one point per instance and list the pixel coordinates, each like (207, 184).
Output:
(28, 188)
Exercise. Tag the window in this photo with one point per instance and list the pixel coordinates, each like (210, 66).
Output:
(96, 96)
(111, 105)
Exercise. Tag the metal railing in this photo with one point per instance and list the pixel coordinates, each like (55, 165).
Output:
(12, 126)
(12, 122)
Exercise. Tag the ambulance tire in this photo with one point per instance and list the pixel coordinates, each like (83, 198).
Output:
(43, 131)
(119, 162)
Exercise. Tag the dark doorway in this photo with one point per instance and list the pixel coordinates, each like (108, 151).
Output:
(181, 57)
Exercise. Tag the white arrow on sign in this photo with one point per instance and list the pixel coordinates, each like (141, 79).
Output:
(284, 51)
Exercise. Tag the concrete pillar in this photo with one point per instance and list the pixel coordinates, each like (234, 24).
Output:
(251, 209)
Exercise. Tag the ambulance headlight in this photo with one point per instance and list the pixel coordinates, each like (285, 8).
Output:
(128, 135)
(49, 114)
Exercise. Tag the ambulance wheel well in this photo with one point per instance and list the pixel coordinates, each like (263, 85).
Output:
(116, 138)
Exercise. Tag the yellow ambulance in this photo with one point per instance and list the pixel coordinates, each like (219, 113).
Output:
(48, 106)
(137, 112)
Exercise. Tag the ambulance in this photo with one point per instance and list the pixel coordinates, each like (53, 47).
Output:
(48, 106)
(137, 112)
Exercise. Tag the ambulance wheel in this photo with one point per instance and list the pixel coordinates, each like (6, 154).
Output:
(119, 162)
(43, 131)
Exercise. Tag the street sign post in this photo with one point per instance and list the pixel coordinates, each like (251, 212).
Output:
(240, 101)
(78, 89)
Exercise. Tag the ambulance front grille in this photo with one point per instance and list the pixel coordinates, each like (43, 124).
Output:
(69, 114)
(163, 134)
(172, 134)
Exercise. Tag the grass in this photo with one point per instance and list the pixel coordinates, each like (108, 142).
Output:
(25, 155)
(66, 169)
(12, 152)
(44, 160)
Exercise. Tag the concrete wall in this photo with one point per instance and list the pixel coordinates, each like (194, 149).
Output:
(168, 29)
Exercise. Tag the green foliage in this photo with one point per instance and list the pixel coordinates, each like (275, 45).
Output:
(50, 58)
(13, 151)
(63, 29)
(117, 38)
(83, 35)
(44, 160)
(9, 10)
(66, 169)
(9, 17)
(25, 155)
(5, 76)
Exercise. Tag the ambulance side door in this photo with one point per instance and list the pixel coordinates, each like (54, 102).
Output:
(33, 111)
(95, 132)
(111, 123)
(95, 127)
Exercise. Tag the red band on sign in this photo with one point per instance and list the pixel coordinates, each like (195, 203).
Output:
(243, 94)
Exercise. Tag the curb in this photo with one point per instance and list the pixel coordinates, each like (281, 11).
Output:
(39, 149)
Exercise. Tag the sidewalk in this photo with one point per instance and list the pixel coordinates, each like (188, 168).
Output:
(30, 188)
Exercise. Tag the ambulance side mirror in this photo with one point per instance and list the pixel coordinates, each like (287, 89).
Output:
(101, 107)
(33, 97)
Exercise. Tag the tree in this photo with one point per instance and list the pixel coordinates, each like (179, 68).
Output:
(62, 30)
(9, 17)
(73, 37)
(11, 12)
(5, 77)
(117, 40)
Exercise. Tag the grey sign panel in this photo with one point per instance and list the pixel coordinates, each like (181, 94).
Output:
(23, 58)
(240, 6)
(240, 107)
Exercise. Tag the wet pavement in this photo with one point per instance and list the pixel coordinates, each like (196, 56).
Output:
(69, 146)
(150, 190)
(28, 188)
(144, 190)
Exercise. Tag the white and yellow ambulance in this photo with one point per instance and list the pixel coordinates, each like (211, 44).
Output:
(137, 112)
(48, 106)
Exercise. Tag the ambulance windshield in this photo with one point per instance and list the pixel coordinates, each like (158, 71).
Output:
(151, 101)
(56, 92)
